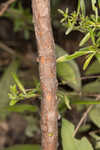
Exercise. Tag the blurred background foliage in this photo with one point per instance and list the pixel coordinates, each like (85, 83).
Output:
(18, 54)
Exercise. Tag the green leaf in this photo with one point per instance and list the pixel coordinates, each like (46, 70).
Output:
(96, 139)
(88, 61)
(94, 68)
(85, 39)
(92, 34)
(84, 144)
(69, 30)
(22, 108)
(66, 134)
(95, 115)
(67, 57)
(68, 72)
(98, 56)
(93, 87)
(61, 11)
(62, 95)
(69, 142)
(24, 147)
(99, 3)
(95, 8)
(67, 101)
(82, 4)
(19, 84)
(84, 128)
(13, 102)
(78, 8)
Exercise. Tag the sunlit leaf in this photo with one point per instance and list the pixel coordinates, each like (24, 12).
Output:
(13, 102)
(78, 8)
(62, 95)
(88, 61)
(92, 37)
(85, 39)
(69, 30)
(19, 84)
(67, 57)
(67, 101)
(61, 11)
(95, 8)
(82, 4)
(99, 3)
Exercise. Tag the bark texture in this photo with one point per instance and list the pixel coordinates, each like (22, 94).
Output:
(47, 69)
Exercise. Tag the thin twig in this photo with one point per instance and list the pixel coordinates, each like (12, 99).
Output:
(17, 54)
(5, 6)
(90, 77)
(84, 117)
(6, 48)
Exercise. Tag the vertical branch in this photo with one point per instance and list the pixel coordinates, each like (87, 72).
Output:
(47, 68)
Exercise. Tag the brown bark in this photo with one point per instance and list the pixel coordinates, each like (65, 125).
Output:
(47, 69)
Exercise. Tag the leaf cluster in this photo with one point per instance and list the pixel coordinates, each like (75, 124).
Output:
(89, 26)
(18, 92)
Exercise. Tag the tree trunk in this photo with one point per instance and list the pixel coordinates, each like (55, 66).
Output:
(47, 69)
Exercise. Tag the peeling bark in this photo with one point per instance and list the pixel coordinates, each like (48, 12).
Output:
(47, 69)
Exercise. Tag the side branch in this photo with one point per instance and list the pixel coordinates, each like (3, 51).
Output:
(5, 6)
